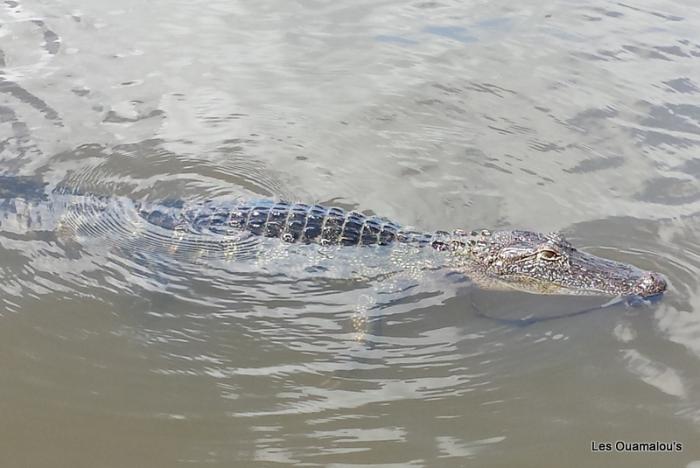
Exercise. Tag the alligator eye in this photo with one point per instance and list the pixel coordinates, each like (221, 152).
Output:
(547, 255)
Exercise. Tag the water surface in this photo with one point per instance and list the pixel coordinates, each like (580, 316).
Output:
(119, 350)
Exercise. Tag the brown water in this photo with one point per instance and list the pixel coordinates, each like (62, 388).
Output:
(575, 116)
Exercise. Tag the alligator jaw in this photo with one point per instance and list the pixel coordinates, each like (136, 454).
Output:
(644, 284)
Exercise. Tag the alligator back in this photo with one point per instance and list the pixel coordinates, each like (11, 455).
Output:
(24, 205)
(291, 222)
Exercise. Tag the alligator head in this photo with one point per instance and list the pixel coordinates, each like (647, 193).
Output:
(547, 264)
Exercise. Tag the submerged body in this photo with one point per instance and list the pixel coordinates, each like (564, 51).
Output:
(509, 259)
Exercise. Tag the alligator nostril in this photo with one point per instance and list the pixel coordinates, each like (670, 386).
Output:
(652, 283)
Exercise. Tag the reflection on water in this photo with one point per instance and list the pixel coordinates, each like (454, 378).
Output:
(123, 344)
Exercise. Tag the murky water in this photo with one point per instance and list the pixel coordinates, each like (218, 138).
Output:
(119, 350)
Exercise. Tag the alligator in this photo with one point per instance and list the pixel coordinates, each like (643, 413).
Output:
(503, 259)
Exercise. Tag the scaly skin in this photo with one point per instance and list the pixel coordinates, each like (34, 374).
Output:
(291, 222)
(510, 259)
(523, 260)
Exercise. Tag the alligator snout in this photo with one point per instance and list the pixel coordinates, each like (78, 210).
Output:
(650, 284)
